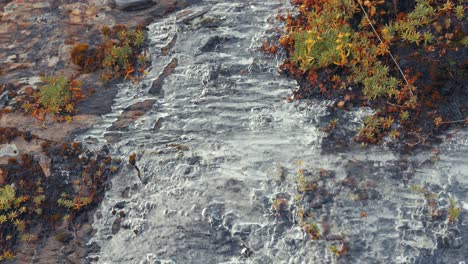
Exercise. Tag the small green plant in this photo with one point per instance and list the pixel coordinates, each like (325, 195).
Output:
(55, 94)
(338, 250)
(65, 201)
(453, 211)
(308, 204)
(57, 97)
(28, 238)
(7, 197)
(119, 55)
(331, 126)
(279, 204)
(304, 185)
(120, 59)
(7, 256)
(334, 249)
(312, 230)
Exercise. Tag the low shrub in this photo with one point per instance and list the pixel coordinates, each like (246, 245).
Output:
(374, 53)
(119, 55)
(33, 204)
(57, 97)
(55, 94)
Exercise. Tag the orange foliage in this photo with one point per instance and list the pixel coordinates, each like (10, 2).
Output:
(78, 54)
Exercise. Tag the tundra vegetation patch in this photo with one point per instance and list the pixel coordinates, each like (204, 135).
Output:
(57, 97)
(49, 193)
(120, 54)
(404, 59)
(318, 196)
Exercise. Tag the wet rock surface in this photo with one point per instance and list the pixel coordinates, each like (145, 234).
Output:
(156, 86)
(220, 155)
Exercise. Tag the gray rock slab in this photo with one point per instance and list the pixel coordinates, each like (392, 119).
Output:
(134, 4)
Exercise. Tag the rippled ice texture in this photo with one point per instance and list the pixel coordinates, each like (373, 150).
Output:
(209, 198)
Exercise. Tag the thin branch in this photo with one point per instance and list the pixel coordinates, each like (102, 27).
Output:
(421, 139)
(394, 104)
(456, 121)
(378, 36)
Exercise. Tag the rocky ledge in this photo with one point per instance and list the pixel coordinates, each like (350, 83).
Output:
(36, 38)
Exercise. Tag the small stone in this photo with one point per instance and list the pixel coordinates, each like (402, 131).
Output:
(116, 226)
(45, 162)
(133, 4)
(4, 98)
(131, 113)
(156, 86)
(75, 12)
(64, 237)
(41, 5)
(93, 257)
(8, 150)
(12, 58)
(93, 248)
(184, 13)
(52, 61)
(246, 252)
(85, 231)
(126, 193)
(120, 205)
(158, 124)
(122, 214)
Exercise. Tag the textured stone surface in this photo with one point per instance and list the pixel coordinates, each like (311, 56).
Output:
(25, 25)
(133, 4)
(131, 113)
(156, 86)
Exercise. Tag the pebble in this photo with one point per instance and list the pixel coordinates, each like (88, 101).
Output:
(120, 205)
(133, 4)
(8, 150)
(4, 98)
(116, 226)
(341, 104)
